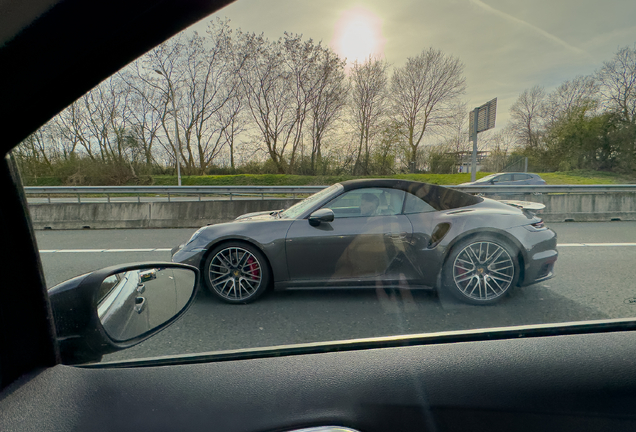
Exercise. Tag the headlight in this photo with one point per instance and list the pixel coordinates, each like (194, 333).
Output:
(194, 236)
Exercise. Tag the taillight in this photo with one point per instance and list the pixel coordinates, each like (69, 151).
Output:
(539, 225)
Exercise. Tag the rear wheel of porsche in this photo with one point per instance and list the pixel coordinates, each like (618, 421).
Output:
(236, 273)
(481, 270)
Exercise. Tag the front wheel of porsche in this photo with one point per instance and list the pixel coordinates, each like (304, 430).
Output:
(481, 270)
(236, 273)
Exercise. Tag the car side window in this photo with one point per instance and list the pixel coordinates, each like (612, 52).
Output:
(519, 177)
(503, 178)
(367, 202)
(414, 204)
(109, 283)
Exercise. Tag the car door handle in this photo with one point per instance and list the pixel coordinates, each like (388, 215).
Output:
(141, 288)
(140, 303)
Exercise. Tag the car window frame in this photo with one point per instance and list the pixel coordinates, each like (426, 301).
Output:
(433, 209)
(400, 212)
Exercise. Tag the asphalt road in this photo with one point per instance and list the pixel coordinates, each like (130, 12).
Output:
(594, 281)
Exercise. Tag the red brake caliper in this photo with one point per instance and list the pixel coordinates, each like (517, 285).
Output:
(254, 270)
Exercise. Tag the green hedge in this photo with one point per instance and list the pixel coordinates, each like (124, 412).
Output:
(556, 178)
(296, 180)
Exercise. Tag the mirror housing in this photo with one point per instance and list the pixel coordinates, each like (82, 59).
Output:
(81, 336)
(321, 215)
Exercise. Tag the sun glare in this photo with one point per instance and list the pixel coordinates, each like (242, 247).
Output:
(358, 35)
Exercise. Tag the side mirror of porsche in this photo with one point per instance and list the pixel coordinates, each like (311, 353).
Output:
(321, 215)
(117, 307)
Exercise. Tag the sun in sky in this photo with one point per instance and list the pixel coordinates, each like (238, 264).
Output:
(358, 35)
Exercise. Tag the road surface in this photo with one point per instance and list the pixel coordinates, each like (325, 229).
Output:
(594, 281)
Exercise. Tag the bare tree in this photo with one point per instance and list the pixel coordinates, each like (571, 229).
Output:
(499, 146)
(367, 105)
(425, 93)
(280, 82)
(108, 114)
(330, 99)
(527, 115)
(301, 60)
(455, 131)
(71, 126)
(267, 95)
(158, 77)
(618, 84)
(34, 148)
(577, 95)
(210, 83)
(145, 116)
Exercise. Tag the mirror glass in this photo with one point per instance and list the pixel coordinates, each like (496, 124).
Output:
(134, 302)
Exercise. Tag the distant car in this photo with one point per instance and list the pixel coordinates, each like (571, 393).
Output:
(502, 179)
(370, 233)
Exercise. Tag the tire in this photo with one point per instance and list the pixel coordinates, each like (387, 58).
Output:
(481, 270)
(242, 285)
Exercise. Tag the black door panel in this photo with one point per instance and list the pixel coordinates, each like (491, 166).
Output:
(354, 248)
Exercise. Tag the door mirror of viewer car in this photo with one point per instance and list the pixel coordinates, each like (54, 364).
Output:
(321, 215)
(117, 307)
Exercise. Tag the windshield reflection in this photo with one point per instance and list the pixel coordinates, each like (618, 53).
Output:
(296, 210)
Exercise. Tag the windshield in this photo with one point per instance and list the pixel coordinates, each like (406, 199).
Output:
(298, 209)
(378, 103)
(487, 178)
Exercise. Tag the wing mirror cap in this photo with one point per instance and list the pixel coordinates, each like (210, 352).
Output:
(321, 215)
(118, 307)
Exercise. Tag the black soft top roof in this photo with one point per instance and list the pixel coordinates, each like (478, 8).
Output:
(439, 197)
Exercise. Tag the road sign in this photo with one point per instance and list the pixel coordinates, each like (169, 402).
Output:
(480, 119)
(486, 115)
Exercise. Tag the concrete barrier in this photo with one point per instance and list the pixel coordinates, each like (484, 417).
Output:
(193, 214)
(598, 207)
(188, 214)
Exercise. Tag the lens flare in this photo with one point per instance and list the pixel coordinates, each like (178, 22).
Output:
(358, 35)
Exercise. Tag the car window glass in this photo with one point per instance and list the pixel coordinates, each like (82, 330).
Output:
(303, 206)
(367, 202)
(220, 142)
(413, 204)
(503, 178)
(109, 283)
(486, 179)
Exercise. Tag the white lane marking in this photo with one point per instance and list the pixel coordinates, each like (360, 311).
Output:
(103, 250)
(595, 244)
(80, 250)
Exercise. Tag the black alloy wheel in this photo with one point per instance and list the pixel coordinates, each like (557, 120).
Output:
(236, 273)
(481, 270)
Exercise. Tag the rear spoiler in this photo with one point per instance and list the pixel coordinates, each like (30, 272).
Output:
(525, 205)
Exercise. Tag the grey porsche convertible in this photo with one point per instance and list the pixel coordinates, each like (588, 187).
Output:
(377, 233)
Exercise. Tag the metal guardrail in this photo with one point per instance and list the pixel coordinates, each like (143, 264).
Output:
(547, 188)
(261, 191)
(230, 191)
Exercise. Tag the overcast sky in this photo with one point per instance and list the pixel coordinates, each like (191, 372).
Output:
(506, 45)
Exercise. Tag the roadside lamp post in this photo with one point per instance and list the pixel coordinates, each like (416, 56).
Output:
(176, 125)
